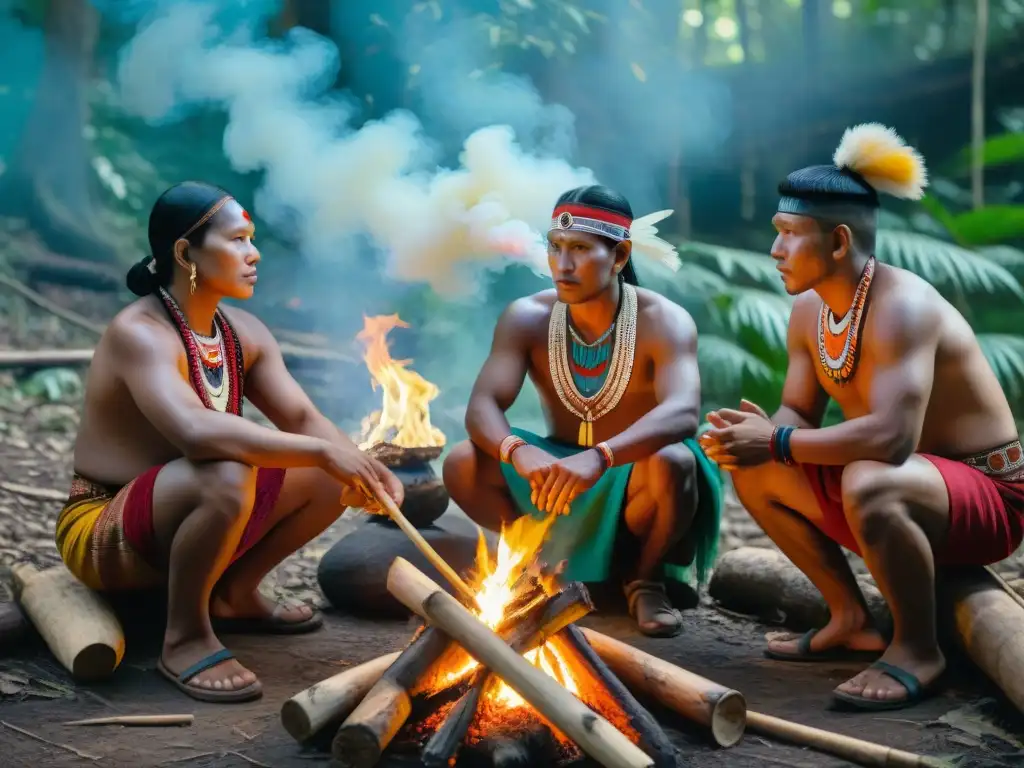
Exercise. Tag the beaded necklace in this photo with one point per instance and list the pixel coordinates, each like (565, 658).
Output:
(838, 340)
(615, 378)
(590, 361)
(219, 386)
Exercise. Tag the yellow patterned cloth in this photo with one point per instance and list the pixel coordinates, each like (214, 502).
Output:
(91, 539)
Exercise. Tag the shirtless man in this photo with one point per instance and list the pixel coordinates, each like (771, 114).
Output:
(628, 356)
(172, 486)
(926, 469)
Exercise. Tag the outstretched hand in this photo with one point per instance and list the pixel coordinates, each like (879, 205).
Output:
(738, 438)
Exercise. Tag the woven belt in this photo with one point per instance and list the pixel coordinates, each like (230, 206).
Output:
(1005, 462)
(83, 488)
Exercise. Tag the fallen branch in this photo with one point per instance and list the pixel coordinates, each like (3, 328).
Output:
(44, 303)
(49, 494)
(37, 737)
(58, 358)
(141, 720)
(855, 750)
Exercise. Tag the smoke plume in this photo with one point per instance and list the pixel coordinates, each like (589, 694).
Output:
(434, 225)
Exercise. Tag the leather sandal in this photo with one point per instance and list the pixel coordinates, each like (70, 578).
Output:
(650, 607)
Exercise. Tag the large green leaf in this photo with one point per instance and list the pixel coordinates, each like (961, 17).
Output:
(1005, 353)
(734, 263)
(945, 265)
(1002, 149)
(724, 365)
(988, 225)
(764, 314)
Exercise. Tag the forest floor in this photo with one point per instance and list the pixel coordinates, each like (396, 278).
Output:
(969, 719)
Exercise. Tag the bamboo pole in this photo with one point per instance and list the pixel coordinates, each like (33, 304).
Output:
(592, 733)
(305, 713)
(137, 720)
(714, 706)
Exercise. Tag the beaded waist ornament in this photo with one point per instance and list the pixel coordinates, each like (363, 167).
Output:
(591, 378)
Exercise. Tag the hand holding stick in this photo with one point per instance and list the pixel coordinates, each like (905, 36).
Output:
(428, 551)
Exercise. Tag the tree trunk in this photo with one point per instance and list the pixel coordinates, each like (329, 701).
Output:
(978, 104)
(50, 183)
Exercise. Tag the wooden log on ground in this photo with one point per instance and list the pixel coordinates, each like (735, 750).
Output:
(592, 733)
(653, 740)
(68, 358)
(569, 605)
(714, 706)
(366, 733)
(333, 699)
(148, 721)
(855, 750)
(78, 626)
(765, 583)
(988, 623)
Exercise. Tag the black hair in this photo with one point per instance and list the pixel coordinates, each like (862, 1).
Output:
(175, 212)
(833, 196)
(605, 199)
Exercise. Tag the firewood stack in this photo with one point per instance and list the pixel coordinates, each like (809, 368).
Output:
(463, 694)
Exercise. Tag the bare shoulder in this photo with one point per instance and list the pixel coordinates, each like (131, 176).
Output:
(906, 307)
(140, 334)
(528, 315)
(665, 319)
(252, 332)
(806, 306)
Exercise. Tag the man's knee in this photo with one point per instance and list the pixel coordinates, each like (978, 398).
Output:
(868, 491)
(671, 470)
(229, 487)
(753, 486)
(460, 469)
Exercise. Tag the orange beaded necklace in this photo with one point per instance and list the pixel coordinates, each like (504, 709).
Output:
(838, 340)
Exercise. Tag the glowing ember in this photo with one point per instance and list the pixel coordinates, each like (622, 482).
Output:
(404, 417)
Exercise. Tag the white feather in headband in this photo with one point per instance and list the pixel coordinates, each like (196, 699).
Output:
(644, 236)
(883, 159)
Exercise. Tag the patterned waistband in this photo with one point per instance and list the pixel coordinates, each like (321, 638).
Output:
(83, 488)
(1005, 462)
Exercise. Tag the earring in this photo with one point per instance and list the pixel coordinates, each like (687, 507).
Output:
(192, 280)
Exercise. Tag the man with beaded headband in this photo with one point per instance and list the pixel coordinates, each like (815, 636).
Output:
(926, 469)
(616, 370)
(172, 487)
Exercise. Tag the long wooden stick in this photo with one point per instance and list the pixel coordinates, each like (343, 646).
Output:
(855, 750)
(428, 551)
(158, 720)
(592, 733)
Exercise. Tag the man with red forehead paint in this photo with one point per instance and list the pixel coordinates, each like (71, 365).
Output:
(616, 370)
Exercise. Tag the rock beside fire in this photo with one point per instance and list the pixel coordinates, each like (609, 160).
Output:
(353, 573)
(764, 583)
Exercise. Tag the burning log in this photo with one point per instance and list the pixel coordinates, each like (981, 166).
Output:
(592, 733)
(721, 709)
(571, 604)
(653, 740)
(370, 728)
(332, 700)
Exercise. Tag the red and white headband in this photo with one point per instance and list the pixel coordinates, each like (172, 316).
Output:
(596, 221)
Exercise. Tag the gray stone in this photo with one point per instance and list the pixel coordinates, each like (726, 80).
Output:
(353, 573)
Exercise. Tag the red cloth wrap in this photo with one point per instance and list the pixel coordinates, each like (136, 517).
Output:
(986, 515)
(137, 518)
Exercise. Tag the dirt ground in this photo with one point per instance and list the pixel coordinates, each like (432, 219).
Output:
(961, 722)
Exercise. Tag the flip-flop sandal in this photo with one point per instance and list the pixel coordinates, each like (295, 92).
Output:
(803, 652)
(915, 692)
(273, 624)
(181, 681)
(648, 598)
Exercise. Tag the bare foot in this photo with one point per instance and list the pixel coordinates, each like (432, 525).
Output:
(876, 685)
(255, 605)
(229, 675)
(847, 631)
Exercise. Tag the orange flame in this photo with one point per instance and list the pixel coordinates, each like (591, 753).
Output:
(404, 417)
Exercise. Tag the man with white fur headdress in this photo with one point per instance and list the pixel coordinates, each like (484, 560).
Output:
(616, 370)
(927, 468)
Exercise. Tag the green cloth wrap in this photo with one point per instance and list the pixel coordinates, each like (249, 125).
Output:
(586, 536)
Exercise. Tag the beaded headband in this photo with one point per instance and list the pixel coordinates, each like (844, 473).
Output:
(205, 218)
(596, 221)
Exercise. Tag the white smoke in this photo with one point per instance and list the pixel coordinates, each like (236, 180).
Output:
(434, 225)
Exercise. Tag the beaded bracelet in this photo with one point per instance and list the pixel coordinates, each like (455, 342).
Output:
(606, 455)
(778, 444)
(509, 446)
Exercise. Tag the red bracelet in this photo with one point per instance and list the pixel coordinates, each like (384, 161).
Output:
(606, 455)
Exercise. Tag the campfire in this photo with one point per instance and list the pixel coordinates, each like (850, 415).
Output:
(505, 678)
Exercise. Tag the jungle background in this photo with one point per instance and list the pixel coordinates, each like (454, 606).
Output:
(306, 110)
